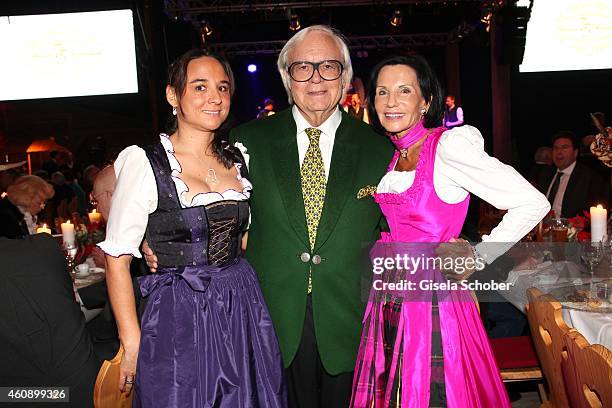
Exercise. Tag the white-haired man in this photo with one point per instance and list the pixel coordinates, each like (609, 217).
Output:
(307, 165)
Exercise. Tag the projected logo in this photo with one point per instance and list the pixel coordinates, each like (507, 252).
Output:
(75, 54)
(565, 35)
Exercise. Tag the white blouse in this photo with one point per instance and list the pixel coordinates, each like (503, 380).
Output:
(463, 166)
(135, 197)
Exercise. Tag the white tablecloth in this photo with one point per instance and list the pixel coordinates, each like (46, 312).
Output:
(595, 327)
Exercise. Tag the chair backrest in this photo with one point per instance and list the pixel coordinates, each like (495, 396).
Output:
(587, 372)
(547, 331)
(106, 388)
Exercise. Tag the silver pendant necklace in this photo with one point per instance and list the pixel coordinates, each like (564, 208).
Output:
(211, 177)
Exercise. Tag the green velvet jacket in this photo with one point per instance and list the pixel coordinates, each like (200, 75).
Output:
(278, 235)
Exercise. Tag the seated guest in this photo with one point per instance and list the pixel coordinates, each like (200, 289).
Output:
(43, 338)
(25, 198)
(64, 202)
(51, 165)
(89, 175)
(542, 163)
(7, 177)
(570, 186)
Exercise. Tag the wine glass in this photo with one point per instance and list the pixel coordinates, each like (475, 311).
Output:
(591, 255)
(70, 249)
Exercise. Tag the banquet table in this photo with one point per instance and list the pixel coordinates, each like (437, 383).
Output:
(560, 277)
(97, 275)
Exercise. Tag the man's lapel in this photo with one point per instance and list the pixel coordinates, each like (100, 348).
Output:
(286, 163)
(340, 182)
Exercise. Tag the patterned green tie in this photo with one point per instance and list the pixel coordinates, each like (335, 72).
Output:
(313, 187)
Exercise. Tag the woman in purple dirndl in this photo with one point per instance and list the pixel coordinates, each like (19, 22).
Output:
(205, 337)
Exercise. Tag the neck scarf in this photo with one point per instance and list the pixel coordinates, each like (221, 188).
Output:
(413, 135)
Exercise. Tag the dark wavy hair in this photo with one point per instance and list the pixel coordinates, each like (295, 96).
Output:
(428, 82)
(567, 134)
(177, 79)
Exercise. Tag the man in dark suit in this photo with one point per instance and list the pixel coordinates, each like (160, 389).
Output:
(570, 186)
(43, 340)
(307, 165)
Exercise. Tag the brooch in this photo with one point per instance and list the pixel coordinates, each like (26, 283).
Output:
(366, 191)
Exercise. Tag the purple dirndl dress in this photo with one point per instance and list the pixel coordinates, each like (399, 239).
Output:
(207, 339)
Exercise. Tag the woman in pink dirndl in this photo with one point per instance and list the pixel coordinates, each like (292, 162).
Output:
(434, 352)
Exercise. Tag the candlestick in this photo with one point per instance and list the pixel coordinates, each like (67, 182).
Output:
(599, 218)
(94, 216)
(43, 229)
(68, 232)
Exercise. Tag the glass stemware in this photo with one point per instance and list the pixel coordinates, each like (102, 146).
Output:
(70, 250)
(591, 255)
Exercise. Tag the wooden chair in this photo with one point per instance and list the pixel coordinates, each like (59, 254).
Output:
(517, 361)
(547, 331)
(587, 372)
(106, 388)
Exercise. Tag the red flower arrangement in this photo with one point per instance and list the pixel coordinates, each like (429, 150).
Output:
(578, 225)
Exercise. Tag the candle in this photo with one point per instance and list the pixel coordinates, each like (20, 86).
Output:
(44, 229)
(599, 218)
(68, 232)
(94, 216)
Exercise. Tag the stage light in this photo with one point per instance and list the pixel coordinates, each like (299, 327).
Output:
(207, 29)
(294, 22)
(396, 19)
(252, 68)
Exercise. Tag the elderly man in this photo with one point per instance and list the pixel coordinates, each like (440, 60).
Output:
(307, 164)
(103, 187)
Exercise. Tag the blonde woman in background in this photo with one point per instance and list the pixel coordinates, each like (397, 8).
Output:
(19, 209)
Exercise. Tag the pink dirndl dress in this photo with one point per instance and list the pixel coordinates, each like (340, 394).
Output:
(395, 358)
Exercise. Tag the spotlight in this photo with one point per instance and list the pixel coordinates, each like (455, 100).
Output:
(206, 28)
(252, 68)
(486, 20)
(294, 22)
(396, 19)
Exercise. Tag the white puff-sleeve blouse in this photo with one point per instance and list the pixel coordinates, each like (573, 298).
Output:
(462, 166)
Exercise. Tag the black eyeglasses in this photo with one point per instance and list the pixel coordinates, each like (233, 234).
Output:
(302, 71)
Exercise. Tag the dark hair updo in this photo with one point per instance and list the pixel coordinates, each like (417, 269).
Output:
(177, 79)
(428, 82)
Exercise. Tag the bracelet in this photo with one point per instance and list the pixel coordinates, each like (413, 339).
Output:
(476, 256)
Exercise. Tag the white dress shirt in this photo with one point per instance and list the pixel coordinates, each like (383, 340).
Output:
(462, 166)
(135, 197)
(326, 142)
(558, 199)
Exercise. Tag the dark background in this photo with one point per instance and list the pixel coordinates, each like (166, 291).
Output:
(542, 103)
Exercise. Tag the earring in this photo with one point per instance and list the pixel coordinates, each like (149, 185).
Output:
(423, 111)
(174, 110)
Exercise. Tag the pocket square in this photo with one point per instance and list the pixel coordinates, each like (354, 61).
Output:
(366, 191)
